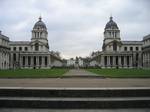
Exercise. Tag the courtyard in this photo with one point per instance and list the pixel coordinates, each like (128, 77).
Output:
(122, 73)
(61, 72)
(75, 78)
(32, 73)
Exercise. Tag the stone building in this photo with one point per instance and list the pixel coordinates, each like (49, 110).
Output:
(35, 53)
(146, 51)
(117, 53)
(4, 52)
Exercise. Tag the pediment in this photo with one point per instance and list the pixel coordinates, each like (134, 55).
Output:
(119, 43)
(37, 41)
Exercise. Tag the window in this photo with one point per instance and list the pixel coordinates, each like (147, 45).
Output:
(115, 46)
(40, 34)
(14, 57)
(23, 60)
(26, 48)
(110, 34)
(125, 48)
(137, 48)
(40, 60)
(115, 34)
(14, 48)
(20, 48)
(35, 34)
(131, 48)
(29, 60)
(36, 47)
(45, 61)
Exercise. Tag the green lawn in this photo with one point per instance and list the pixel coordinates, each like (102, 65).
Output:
(122, 73)
(32, 73)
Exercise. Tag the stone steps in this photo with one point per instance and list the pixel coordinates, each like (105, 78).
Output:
(75, 98)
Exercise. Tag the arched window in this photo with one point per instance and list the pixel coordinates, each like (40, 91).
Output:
(115, 46)
(14, 57)
(40, 34)
(46, 61)
(35, 34)
(115, 34)
(36, 47)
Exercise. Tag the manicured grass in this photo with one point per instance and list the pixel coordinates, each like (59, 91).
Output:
(122, 73)
(32, 73)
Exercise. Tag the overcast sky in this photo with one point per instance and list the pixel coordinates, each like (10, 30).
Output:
(75, 27)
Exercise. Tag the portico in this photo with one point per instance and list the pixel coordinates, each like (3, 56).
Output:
(117, 61)
(35, 61)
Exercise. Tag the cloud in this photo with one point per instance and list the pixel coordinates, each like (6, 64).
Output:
(75, 27)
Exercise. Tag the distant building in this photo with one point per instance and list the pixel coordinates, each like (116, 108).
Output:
(71, 62)
(4, 52)
(32, 54)
(121, 54)
(78, 62)
(146, 51)
(35, 54)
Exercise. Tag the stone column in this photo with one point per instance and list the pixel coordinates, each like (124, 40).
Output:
(0, 60)
(131, 65)
(37, 61)
(139, 60)
(125, 61)
(148, 59)
(31, 61)
(119, 61)
(26, 62)
(50, 61)
(114, 61)
(143, 59)
(102, 61)
(21, 61)
(108, 61)
(11, 60)
(43, 61)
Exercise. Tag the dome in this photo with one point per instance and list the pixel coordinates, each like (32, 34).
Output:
(39, 24)
(111, 24)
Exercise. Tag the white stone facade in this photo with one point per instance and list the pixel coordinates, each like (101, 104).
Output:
(117, 53)
(35, 53)
(146, 51)
(4, 52)
(71, 62)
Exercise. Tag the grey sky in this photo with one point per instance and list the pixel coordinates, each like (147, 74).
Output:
(75, 27)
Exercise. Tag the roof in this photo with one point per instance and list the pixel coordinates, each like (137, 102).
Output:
(4, 37)
(39, 24)
(19, 42)
(146, 37)
(111, 24)
(132, 42)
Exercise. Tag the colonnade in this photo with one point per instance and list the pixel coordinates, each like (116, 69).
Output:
(35, 61)
(146, 59)
(116, 61)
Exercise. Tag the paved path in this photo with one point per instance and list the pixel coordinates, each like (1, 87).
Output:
(75, 110)
(87, 81)
(75, 82)
(79, 73)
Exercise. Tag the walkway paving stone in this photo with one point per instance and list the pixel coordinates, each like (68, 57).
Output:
(76, 82)
(79, 72)
(75, 110)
